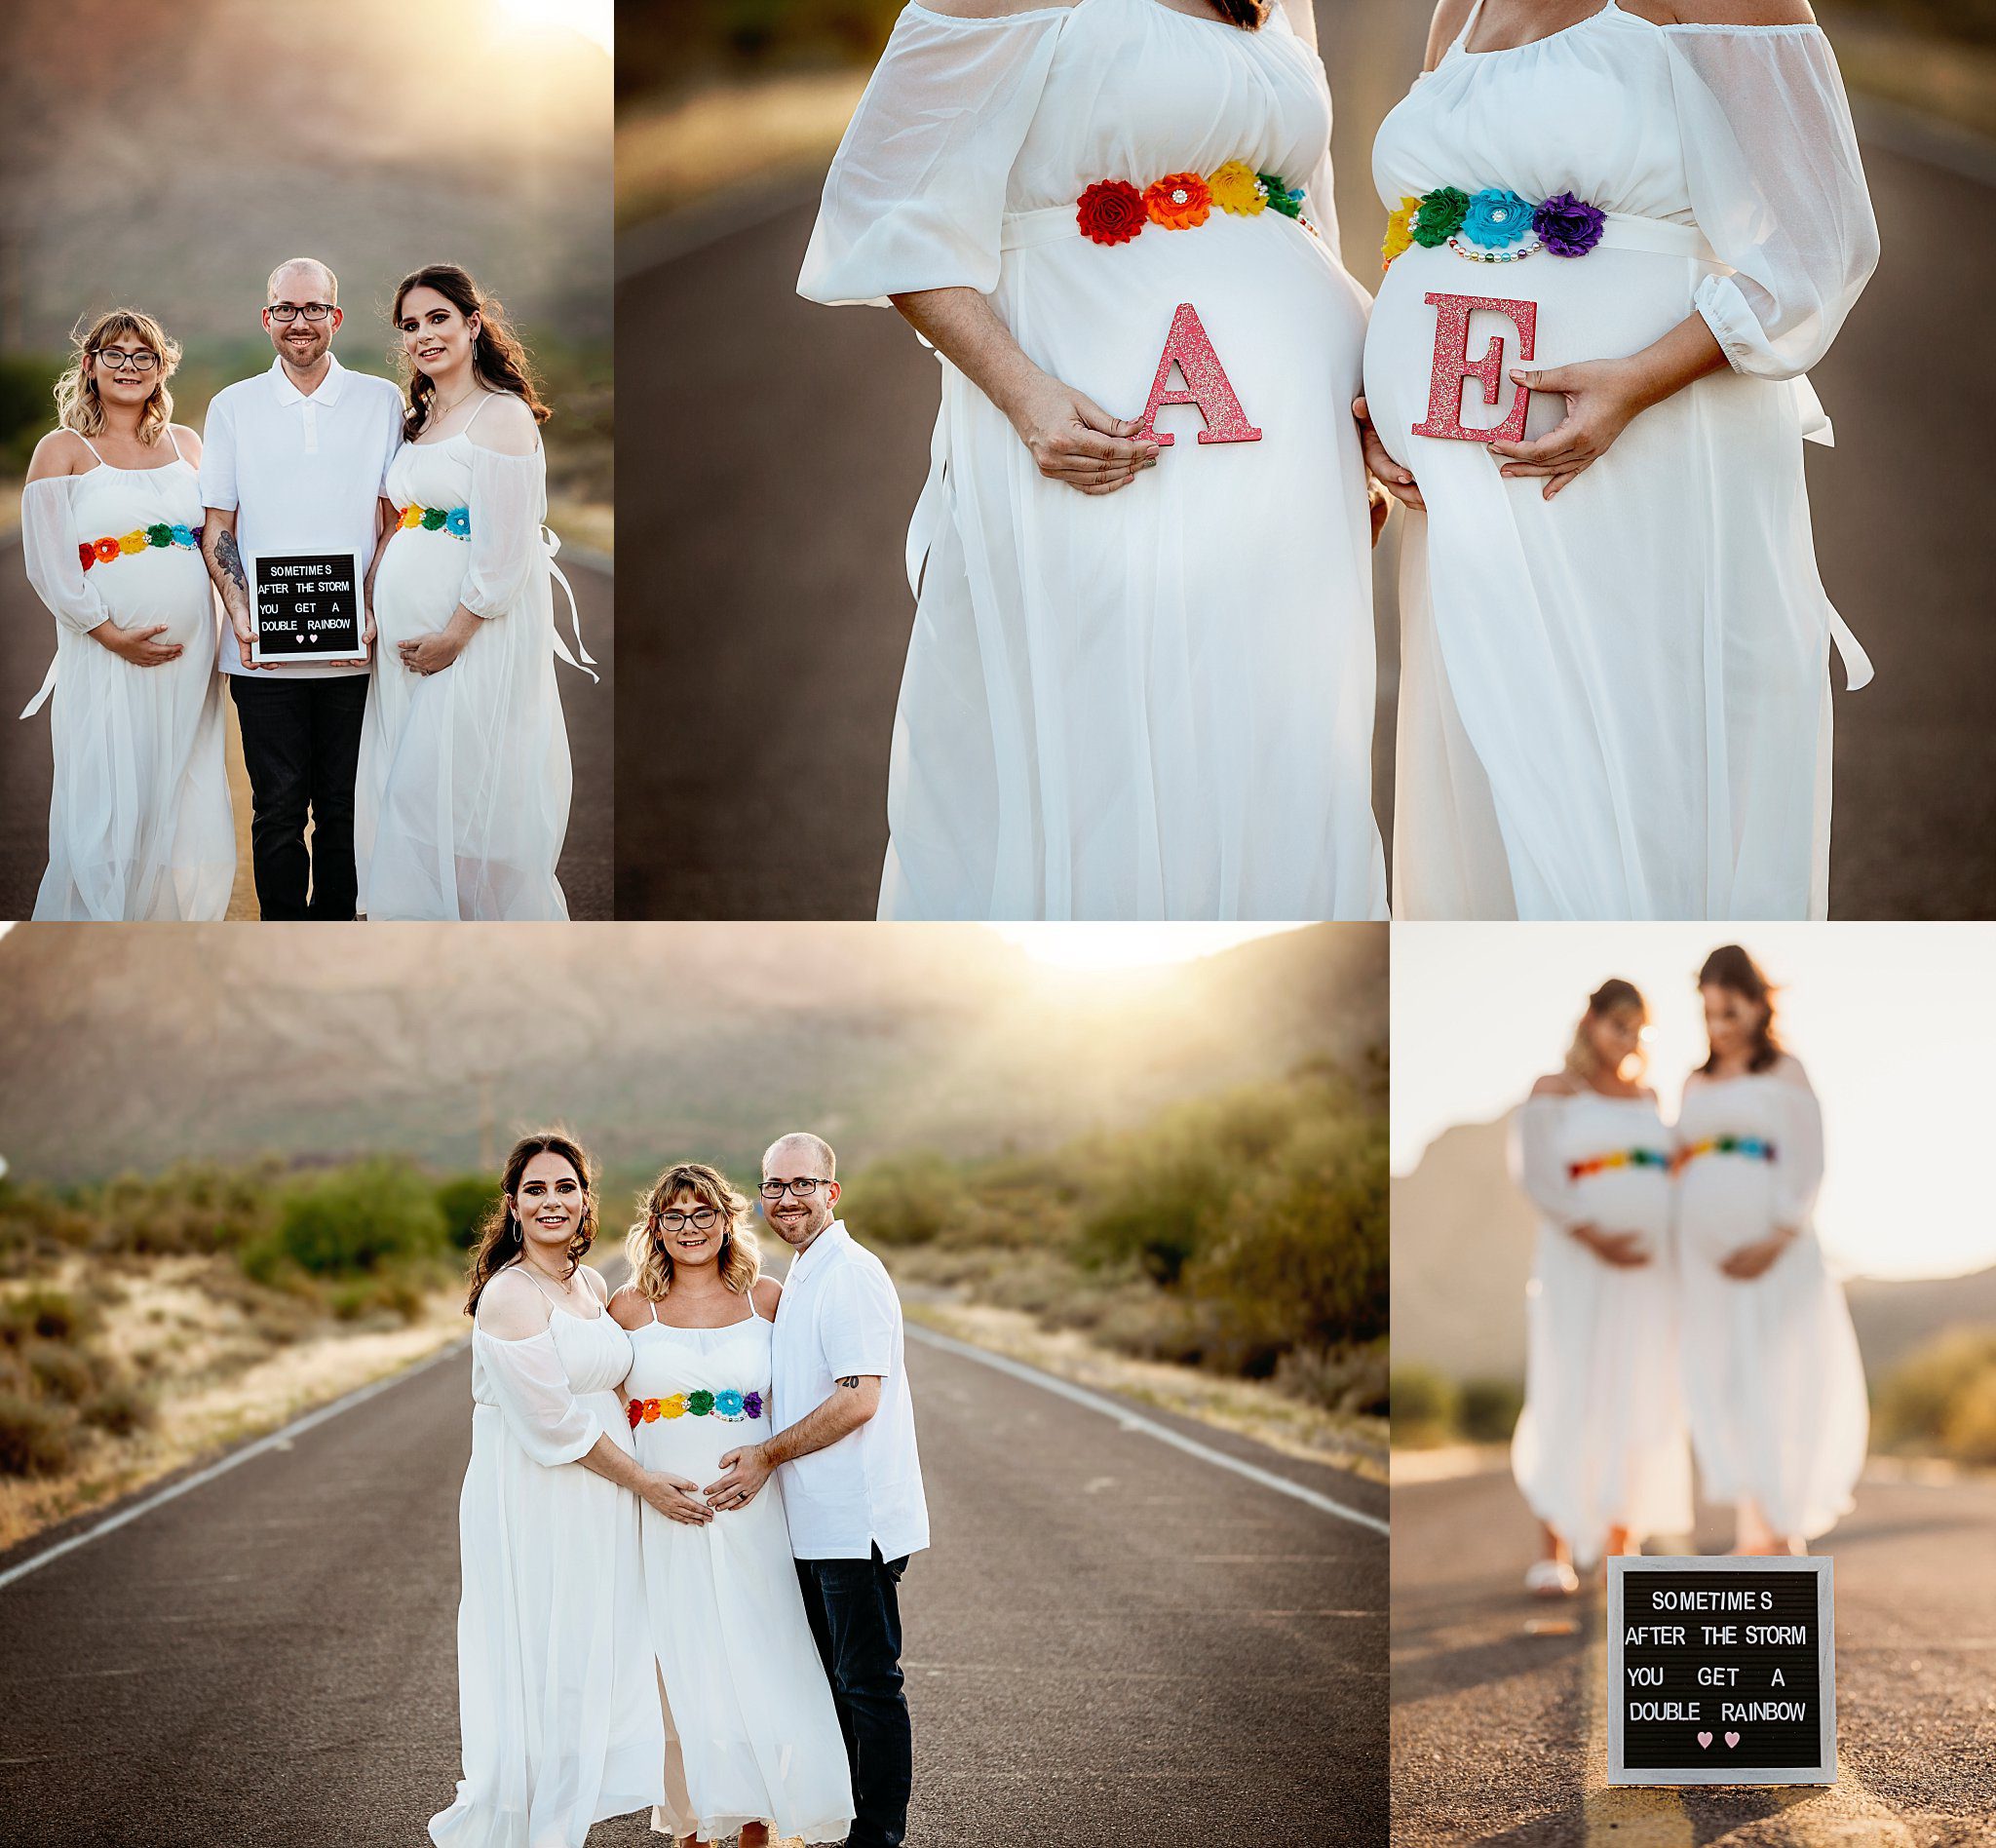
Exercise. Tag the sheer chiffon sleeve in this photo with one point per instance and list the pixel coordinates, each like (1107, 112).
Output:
(534, 1397)
(1535, 1160)
(1798, 1157)
(916, 191)
(1777, 188)
(508, 496)
(51, 550)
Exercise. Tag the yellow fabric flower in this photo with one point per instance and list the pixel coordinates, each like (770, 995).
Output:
(412, 516)
(1400, 230)
(673, 1407)
(1237, 187)
(132, 542)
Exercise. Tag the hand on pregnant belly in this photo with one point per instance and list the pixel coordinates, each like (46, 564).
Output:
(1754, 1260)
(1074, 440)
(433, 653)
(1398, 480)
(1623, 1250)
(675, 1497)
(1602, 397)
(140, 646)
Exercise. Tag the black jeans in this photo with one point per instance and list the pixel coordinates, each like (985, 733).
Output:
(854, 1613)
(301, 745)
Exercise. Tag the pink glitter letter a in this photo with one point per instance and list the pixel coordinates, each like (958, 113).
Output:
(1187, 347)
(1454, 368)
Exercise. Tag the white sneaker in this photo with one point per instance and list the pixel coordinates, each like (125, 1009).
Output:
(1551, 1578)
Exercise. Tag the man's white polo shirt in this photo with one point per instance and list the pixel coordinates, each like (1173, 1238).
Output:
(300, 471)
(839, 1315)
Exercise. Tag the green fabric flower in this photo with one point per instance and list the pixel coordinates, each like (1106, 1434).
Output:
(1281, 198)
(433, 519)
(159, 535)
(1440, 217)
(700, 1404)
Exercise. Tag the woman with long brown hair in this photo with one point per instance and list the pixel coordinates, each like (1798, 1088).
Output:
(1600, 1451)
(139, 821)
(1773, 1379)
(556, 1692)
(462, 800)
(758, 1738)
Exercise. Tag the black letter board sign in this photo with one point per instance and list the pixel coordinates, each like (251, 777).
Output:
(308, 607)
(1721, 1671)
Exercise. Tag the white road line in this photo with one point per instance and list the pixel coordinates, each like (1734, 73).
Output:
(1131, 1421)
(277, 1439)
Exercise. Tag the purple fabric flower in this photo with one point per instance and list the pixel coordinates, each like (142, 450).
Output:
(752, 1404)
(1568, 227)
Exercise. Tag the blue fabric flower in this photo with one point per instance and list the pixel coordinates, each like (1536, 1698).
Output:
(728, 1403)
(1496, 218)
(458, 522)
(183, 535)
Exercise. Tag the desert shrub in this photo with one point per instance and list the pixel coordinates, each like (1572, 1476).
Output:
(60, 1371)
(359, 1217)
(1423, 1407)
(1160, 1209)
(35, 1439)
(906, 1199)
(1935, 1402)
(397, 1293)
(464, 1202)
(1486, 1409)
(120, 1411)
(46, 1315)
(1352, 1381)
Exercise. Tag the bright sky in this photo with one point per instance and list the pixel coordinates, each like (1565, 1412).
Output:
(594, 19)
(1128, 945)
(1894, 1022)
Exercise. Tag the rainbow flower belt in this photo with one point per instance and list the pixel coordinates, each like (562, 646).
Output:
(1617, 1158)
(455, 521)
(1754, 1147)
(140, 539)
(731, 1405)
(1113, 211)
(1483, 227)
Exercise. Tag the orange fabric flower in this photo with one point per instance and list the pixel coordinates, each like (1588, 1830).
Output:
(1178, 202)
(106, 549)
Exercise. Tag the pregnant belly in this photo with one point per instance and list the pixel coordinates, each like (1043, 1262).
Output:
(417, 589)
(160, 586)
(1629, 1200)
(1604, 305)
(1726, 1203)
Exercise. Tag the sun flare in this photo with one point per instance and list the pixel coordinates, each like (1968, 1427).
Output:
(593, 20)
(1128, 945)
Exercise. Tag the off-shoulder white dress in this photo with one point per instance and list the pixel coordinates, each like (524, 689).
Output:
(1616, 704)
(461, 804)
(1602, 1440)
(139, 820)
(1773, 1379)
(556, 1695)
(1157, 703)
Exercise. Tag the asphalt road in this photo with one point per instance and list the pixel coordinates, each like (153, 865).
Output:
(27, 639)
(1499, 1736)
(1110, 1641)
(772, 578)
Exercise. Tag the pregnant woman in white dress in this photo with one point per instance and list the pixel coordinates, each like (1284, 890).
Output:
(1140, 683)
(1615, 699)
(758, 1738)
(1773, 1378)
(139, 821)
(462, 799)
(1599, 1452)
(556, 1698)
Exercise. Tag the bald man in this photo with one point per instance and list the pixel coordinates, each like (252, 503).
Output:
(844, 1439)
(295, 461)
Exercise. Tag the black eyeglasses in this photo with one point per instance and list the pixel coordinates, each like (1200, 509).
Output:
(292, 310)
(701, 1219)
(120, 361)
(804, 1186)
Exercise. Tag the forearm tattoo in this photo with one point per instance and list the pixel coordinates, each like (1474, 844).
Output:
(852, 1380)
(229, 561)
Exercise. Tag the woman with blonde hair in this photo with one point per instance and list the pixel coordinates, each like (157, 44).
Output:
(757, 1739)
(1600, 1451)
(1773, 1379)
(140, 822)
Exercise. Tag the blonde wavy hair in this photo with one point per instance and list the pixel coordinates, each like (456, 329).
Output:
(651, 1261)
(1613, 996)
(78, 406)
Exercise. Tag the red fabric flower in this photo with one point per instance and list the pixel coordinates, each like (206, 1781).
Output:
(1179, 201)
(87, 552)
(636, 1411)
(1110, 211)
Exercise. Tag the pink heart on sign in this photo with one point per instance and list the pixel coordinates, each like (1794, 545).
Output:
(1704, 1739)
(1732, 1739)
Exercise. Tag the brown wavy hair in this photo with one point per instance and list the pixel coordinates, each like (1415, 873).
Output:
(500, 360)
(78, 406)
(499, 1240)
(651, 1261)
(1611, 997)
(1729, 967)
(1251, 16)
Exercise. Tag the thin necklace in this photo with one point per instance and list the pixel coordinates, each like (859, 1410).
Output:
(444, 410)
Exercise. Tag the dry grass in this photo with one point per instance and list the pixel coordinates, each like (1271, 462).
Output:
(1923, 71)
(218, 1360)
(1246, 1407)
(673, 156)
